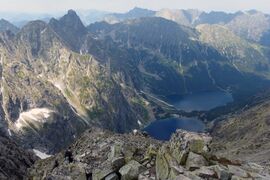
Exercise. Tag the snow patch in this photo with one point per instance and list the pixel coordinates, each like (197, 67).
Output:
(9, 132)
(43, 31)
(135, 131)
(40, 154)
(34, 115)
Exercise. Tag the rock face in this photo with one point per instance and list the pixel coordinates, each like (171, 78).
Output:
(14, 160)
(103, 155)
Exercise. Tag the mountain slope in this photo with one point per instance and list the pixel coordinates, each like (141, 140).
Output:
(7, 26)
(187, 64)
(60, 93)
(244, 134)
(241, 52)
(14, 160)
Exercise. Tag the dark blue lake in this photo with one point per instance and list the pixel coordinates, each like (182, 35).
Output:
(162, 129)
(203, 101)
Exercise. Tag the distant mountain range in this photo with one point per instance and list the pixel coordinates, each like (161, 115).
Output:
(251, 25)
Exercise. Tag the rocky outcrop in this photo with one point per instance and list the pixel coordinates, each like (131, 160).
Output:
(103, 155)
(14, 161)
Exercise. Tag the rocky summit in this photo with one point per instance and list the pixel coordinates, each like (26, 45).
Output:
(100, 154)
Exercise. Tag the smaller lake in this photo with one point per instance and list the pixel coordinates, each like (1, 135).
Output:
(202, 101)
(163, 129)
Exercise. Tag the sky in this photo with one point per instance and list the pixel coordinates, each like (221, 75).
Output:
(47, 6)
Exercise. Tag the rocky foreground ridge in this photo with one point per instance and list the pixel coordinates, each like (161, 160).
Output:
(14, 160)
(100, 154)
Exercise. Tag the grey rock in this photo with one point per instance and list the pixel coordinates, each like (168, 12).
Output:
(240, 178)
(117, 163)
(112, 176)
(182, 177)
(195, 161)
(205, 172)
(237, 171)
(131, 170)
(101, 173)
(221, 172)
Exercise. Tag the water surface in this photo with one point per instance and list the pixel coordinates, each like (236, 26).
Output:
(202, 101)
(163, 129)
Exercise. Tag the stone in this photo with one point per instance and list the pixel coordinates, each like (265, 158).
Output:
(221, 172)
(182, 177)
(118, 162)
(116, 151)
(131, 170)
(195, 161)
(101, 173)
(162, 166)
(205, 172)
(177, 169)
(192, 175)
(180, 155)
(182, 142)
(197, 146)
(112, 176)
(240, 178)
(237, 171)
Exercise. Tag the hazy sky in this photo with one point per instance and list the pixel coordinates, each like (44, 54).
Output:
(124, 5)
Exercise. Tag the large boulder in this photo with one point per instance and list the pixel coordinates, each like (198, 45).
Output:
(195, 161)
(101, 173)
(237, 171)
(221, 171)
(182, 142)
(131, 170)
(190, 141)
(205, 172)
(117, 163)
(162, 165)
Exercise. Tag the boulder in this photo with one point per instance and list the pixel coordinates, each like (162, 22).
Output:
(195, 161)
(195, 142)
(192, 175)
(205, 173)
(118, 162)
(240, 178)
(182, 142)
(182, 177)
(101, 173)
(116, 151)
(112, 176)
(237, 171)
(162, 166)
(131, 170)
(221, 172)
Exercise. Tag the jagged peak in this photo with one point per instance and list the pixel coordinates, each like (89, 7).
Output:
(72, 12)
(71, 15)
(33, 26)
